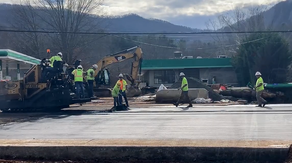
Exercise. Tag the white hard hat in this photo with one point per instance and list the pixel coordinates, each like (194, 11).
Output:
(121, 76)
(80, 67)
(258, 73)
(60, 54)
(181, 74)
(95, 66)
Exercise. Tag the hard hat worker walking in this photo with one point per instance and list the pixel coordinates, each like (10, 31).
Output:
(78, 78)
(259, 87)
(90, 79)
(185, 91)
(123, 88)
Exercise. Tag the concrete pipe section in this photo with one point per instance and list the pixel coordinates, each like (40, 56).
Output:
(172, 95)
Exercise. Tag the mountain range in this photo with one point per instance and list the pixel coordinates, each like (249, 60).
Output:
(126, 23)
(279, 17)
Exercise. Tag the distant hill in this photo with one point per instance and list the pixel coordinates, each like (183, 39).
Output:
(280, 15)
(126, 23)
(136, 23)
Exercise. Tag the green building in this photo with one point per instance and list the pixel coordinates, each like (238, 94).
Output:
(166, 71)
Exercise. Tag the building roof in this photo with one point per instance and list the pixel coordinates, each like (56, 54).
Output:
(162, 64)
(13, 55)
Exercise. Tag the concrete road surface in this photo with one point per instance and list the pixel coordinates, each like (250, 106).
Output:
(159, 123)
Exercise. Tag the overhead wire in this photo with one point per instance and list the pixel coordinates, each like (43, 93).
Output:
(144, 33)
(145, 43)
(162, 46)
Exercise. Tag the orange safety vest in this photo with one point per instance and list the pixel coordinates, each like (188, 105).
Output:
(122, 84)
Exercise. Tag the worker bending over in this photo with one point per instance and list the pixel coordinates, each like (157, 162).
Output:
(259, 87)
(57, 57)
(90, 79)
(185, 91)
(123, 88)
(115, 94)
(78, 79)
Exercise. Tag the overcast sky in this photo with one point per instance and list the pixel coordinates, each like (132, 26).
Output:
(192, 13)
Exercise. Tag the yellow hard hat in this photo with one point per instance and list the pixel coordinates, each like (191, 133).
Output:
(118, 84)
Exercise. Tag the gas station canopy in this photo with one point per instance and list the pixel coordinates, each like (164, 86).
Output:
(7, 54)
(15, 64)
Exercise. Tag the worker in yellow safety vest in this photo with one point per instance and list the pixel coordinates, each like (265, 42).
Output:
(123, 89)
(259, 88)
(90, 79)
(185, 91)
(57, 57)
(78, 79)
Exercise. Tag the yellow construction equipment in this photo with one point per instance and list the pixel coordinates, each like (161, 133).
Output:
(33, 93)
(102, 77)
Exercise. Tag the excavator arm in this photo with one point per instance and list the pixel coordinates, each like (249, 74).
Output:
(134, 52)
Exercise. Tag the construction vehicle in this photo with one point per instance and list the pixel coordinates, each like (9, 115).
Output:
(34, 94)
(102, 76)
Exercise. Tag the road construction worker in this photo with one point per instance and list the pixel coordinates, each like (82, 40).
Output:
(259, 87)
(115, 94)
(185, 91)
(123, 88)
(57, 57)
(90, 79)
(45, 67)
(78, 79)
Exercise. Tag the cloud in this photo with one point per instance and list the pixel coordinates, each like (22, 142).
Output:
(172, 8)
(175, 11)
(180, 11)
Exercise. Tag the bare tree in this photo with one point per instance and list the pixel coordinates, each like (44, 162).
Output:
(240, 20)
(67, 18)
(24, 18)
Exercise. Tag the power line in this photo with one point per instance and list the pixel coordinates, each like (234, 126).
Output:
(141, 33)
(145, 43)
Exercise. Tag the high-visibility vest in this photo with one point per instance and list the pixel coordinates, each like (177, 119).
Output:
(260, 81)
(55, 58)
(89, 76)
(123, 84)
(184, 82)
(78, 75)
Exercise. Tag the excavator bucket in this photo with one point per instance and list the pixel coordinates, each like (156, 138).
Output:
(133, 91)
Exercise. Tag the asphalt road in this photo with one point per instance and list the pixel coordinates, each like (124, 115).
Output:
(159, 123)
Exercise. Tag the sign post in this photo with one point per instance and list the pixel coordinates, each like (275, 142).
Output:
(18, 71)
(1, 73)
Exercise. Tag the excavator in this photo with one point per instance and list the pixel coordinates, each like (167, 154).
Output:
(32, 93)
(102, 76)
